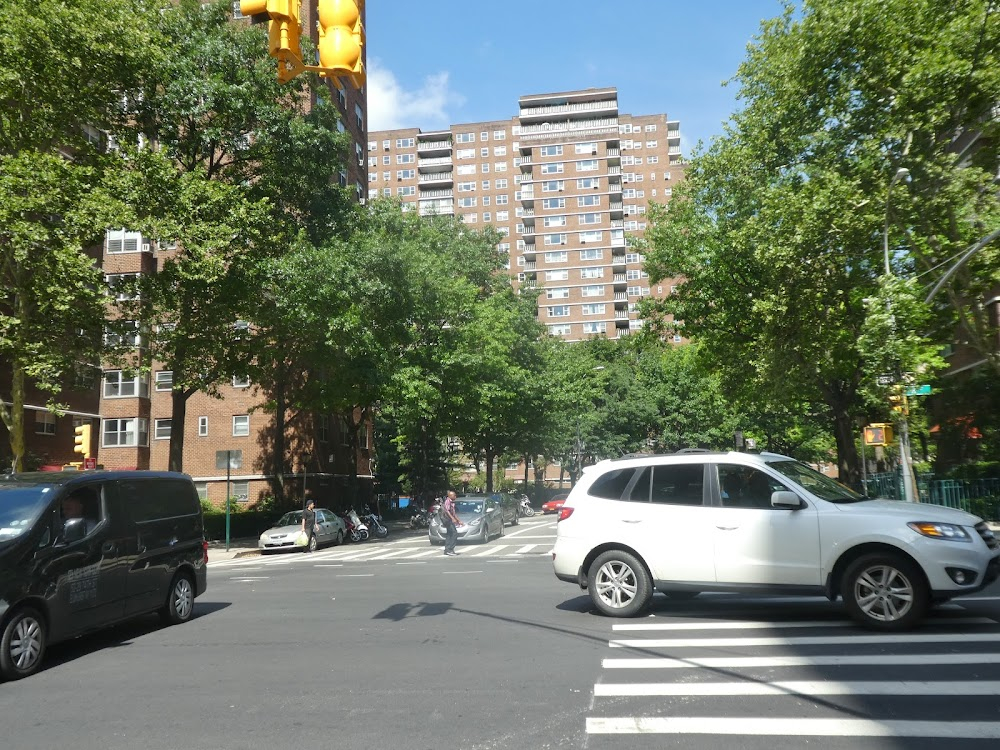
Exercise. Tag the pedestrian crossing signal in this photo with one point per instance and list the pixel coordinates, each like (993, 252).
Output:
(878, 434)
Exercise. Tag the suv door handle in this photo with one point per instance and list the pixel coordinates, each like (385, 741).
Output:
(727, 528)
(631, 520)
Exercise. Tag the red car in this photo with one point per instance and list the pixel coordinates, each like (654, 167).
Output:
(553, 505)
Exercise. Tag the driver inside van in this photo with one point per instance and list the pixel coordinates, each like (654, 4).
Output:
(75, 505)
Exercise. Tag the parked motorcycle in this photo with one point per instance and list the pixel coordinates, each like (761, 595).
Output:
(374, 523)
(355, 527)
(524, 507)
(420, 519)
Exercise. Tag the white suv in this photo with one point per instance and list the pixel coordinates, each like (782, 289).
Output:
(699, 521)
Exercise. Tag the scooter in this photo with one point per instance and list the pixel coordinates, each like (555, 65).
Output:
(357, 530)
(419, 519)
(524, 507)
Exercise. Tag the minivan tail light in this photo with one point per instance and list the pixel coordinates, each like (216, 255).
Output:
(564, 513)
(204, 547)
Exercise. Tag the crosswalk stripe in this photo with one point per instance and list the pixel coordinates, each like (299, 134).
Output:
(763, 625)
(525, 549)
(798, 688)
(388, 555)
(823, 640)
(747, 662)
(495, 549)
(794, 727)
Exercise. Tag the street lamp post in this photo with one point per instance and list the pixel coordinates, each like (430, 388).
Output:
(909, 485)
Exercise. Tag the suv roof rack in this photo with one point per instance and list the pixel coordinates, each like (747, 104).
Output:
(696, 450)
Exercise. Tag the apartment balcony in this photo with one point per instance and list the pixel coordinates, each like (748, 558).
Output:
(618, 248)
(621, 297)
(438, 178)
(614, 169)
(527, 194)
(587, 110)
(619, 279)
(614, 157)
(616, 210)
(437, 164)
(426, 148)
(621, 315)
(529, 266)
(426, 194)
(437, 210)
(528, 249)
(615, 187)
(528, 213)
(617, 223)
(674, 150)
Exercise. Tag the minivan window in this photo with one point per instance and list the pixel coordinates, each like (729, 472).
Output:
(610, 486)
(746, 487)
(818, 484)
(679, 484)
(150, 500)
(20, 507)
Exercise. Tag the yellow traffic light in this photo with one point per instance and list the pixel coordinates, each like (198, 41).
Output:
(878, 434)
(342, 39)
(283, 32)
(81, 442)
(898, 401)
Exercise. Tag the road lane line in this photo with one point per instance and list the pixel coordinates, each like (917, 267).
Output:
(459, 572)
(794, 727)
(389, 555)
(328, 565)
(798, 688)
(822, 640)
(760, 625)
(488, 551)
(355, 575)
(753, 662)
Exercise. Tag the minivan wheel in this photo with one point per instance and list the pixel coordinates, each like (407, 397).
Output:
(884, 591)
(23, 644)
(618, 584)
(180, 603)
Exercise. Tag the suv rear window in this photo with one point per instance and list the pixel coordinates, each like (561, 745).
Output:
(610, 486)
(678, 484)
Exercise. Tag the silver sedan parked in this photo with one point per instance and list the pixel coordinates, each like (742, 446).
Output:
(282, 535)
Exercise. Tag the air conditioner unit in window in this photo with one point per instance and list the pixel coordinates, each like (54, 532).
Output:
(145, 247)
(594, 152)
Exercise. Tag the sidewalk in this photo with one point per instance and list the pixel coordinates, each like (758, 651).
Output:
(247, 546)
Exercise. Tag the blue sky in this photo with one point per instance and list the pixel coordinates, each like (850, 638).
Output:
(434, 64)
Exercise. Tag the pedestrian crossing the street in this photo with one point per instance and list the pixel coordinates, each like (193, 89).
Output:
(780, 684)
(533, 541)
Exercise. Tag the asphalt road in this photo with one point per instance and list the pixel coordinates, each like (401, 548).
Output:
(394, 645)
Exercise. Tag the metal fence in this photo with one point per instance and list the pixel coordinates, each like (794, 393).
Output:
(978, 496)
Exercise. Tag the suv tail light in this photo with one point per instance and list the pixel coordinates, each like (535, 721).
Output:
(564, 513)
(204, 547)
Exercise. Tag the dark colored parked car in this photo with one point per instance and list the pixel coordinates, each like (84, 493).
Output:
(509, 508)
(80, 551)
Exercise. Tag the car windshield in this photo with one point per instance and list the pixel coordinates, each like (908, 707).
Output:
(20, 507)
(292, 518)
(473, 507)
(818, 484)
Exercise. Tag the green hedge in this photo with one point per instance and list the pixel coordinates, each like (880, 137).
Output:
(245, 524)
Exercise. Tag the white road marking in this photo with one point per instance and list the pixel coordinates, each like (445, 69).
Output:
(761, 625)
(495, 549)
(525, 549)
(800, 688)
(355, 575)
(459, 572)
(249, 578)
(389, 555)
(328, 565)
(832, 640)
(748, 662)
(795, 727)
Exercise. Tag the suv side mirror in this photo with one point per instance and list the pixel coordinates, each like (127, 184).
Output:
(74, 529)
(785, 499)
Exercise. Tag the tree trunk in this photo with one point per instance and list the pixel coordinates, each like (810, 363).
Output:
(278, 457)
(178, 413)
(847, 452)
(489, 472)
(526, 473)
(13, 418)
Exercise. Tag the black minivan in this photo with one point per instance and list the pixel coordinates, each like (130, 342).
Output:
(81, 550)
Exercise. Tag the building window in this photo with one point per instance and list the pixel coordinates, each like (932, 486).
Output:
(591, 236)
(559, 275)
(588, 183)
(559, 311)
(121, 241)
(45, 423)
(465, 137)
(559, 292)
(587, 165)
(241, 381)
(404, 142)
(241, 425)
(202, 489)
(161, 429)
(241, 491)
(590, 218)
(202, 426)
(164, 380)
(586, 148)
(558, 256)
(405, 174)
(124, 433)
(555, 239)
(595, 253)
(553, 186)
(123, 286)
(555, 167)
(592, 273)
(593, 290)
(554, 221)
(405, 158)
(595, 327)
(85, 377)
(117, 385)
(499, 135)
(588, 200)
(593, 309)
(550, 151)
(561, 329)
(500, 185)
(323, 428)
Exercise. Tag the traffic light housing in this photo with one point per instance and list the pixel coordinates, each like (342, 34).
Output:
(898, 401)
(81, 441)
(283, 32)
(341, 39)
(878, 434)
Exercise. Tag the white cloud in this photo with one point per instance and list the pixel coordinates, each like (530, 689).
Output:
(390, 106)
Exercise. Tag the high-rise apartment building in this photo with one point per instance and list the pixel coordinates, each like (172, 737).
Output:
(566, 181)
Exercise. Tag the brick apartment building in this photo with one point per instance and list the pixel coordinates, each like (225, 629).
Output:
(567, 180)
(130, 415)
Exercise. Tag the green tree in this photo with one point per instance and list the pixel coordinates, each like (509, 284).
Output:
(777, 232)
(63, 66)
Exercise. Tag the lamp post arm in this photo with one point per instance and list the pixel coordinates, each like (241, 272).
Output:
(961, 262)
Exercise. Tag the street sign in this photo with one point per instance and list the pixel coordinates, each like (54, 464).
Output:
(885, 380)
(229, 459)
(90, 463)
(918, 390)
